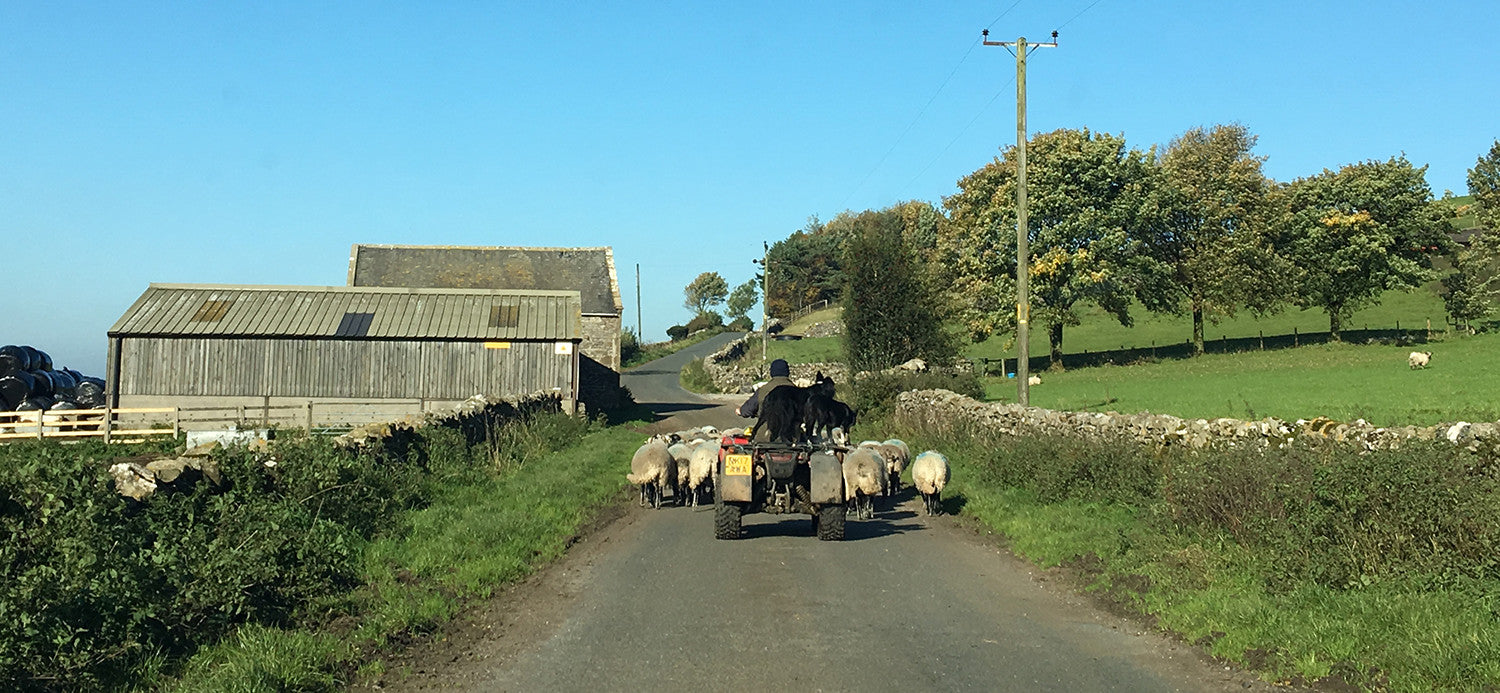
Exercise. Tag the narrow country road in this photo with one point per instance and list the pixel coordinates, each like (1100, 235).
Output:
(655, 385)
(651, 601)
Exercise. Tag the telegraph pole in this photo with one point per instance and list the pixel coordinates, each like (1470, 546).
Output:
(1023, 249)
(765, 299)
(639, 335)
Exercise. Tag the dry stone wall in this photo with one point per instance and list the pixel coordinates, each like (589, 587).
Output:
(945, 410)
(728, 376)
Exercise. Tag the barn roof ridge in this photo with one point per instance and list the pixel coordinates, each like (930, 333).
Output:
(257, 310)
(358, 289)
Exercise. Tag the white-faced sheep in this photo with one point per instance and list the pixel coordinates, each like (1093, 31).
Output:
(700, 476)
(1419, 359)
(895, 463)
(677, 473)
(929, 473)
(648, 470)
(864, 479)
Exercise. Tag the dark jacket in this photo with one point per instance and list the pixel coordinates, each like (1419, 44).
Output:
(751, 408)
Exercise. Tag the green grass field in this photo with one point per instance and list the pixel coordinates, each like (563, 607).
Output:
(1341, 381)
(1101, 332)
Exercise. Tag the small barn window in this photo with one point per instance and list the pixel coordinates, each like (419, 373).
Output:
(211, 311)
(505, 316)
(355, 325)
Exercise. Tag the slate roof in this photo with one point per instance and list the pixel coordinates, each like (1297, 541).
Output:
(589, 271)
(190, 310)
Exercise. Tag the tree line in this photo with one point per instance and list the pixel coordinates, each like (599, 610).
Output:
(1191, 228)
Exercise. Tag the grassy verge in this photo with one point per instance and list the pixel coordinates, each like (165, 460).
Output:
(694, 379)
(801, 324)
(1376, 571)
(1341, 381)
(476, 535)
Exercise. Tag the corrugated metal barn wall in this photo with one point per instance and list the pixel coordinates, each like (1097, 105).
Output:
(364, 369)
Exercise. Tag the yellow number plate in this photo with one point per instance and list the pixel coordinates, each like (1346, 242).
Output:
(737, 465)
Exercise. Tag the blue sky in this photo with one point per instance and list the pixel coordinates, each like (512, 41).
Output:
(255, 142)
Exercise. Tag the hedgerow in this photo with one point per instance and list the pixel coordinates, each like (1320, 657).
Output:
(98, 591)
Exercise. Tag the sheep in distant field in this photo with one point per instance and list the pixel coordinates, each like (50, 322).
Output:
(1419, 359)
(700, 474)
(929, 473)
(864, 479)
(1034, 380)
(648, 470)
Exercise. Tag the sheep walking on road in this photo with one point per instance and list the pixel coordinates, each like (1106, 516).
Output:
(648, 470)
(700, 474)
(1419, 359)
(682, 454)
(929, 473)
(895, 457)
(865, 478)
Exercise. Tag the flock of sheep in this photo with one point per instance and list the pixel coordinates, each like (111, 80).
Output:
(685, 462)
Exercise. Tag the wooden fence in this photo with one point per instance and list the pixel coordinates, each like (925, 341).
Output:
(136, 424)
(88, 423)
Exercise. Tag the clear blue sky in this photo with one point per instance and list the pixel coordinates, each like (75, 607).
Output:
(255, 142)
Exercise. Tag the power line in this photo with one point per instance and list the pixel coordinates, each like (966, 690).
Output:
(961, 132)
(1013, 5)
(1080, 14)
(923, 111)
(909, 126)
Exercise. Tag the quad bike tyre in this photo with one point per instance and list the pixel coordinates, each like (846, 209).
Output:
(831, 523)
(728, 517)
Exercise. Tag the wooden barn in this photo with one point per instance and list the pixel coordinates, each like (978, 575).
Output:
(392, 350)
(589, 271)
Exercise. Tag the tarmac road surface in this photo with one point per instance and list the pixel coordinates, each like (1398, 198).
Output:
(652, 602)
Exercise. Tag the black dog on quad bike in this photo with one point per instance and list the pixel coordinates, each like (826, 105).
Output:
(784, 409)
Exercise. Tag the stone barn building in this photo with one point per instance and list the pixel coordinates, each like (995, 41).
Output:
(392, 351)
(588, 271)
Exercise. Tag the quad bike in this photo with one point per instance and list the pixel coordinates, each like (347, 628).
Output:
(779, 478)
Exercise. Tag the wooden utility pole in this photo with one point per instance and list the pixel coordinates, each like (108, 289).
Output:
(765, 299)
(639, 335)
(1023, 249)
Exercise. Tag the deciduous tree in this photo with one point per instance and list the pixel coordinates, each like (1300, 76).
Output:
(704, 292)
(1208, 210)
(742, 299)
(1086, 194)
(1472, 291)
(1358, 232)
(890, 313)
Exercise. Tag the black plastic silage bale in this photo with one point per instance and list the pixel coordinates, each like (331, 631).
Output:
(16, 387)
(91, 393)
(64, 385)
(42, 383)
(33, 357)
(13, 359)
(34, 403)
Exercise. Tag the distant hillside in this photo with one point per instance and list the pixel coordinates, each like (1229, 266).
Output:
(1464, 206)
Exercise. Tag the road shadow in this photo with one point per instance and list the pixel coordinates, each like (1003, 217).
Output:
(885, 524)
(665, 409)
(786, 526)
